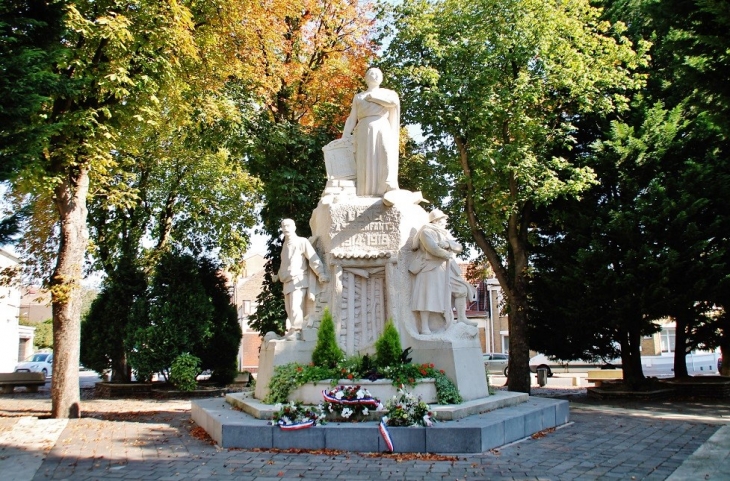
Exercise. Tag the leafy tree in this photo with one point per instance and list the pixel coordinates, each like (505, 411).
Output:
(27, 52)
(658, 211)
(28, 49)
(177, 316)
(497, 87)
(43, 336)
(110, 62)
(315, 65)
(691, 204)
(686, 208)
(119, 71)
(595, 274)
(105, 326)
(220, 353)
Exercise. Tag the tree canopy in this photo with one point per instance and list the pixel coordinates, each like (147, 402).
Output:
(652, 234)
(497, 87)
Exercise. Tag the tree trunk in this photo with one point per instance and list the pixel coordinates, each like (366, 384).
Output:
(519, 349)
(680, 344)
(70, 199)
(631, 358)
(519, 345)
(120, 368)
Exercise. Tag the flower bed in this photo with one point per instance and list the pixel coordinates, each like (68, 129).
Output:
(311, 393)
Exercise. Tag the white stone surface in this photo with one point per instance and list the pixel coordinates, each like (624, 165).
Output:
(364, 235)
(361, 240)
(339, 159)
(374, 127)
(301, 271)
(278, 352)
(437, 281)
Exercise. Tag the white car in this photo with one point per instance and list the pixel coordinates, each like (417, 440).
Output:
(541, 361)
(39, 362)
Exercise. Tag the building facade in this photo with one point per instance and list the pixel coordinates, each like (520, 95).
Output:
(10, 346)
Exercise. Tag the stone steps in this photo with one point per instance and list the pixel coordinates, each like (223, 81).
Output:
(474, 433)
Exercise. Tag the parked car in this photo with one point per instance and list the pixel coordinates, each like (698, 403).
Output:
(496, 363)
(698, 363)
(559, 365)
(38, 362)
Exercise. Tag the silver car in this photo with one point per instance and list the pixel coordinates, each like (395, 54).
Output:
(496, 363)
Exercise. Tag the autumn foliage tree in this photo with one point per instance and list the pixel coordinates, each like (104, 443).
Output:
(312, 71)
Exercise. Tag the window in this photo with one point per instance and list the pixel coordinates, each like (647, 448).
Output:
(668, 337)
(505, 344)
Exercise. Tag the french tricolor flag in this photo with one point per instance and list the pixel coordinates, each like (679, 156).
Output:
(296, 427)
(383, 428)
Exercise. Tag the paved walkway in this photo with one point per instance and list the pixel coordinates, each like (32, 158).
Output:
(154, 440)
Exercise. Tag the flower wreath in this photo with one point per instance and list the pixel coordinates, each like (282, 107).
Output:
(350, 402)
(294, 415)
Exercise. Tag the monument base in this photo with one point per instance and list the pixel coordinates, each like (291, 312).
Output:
(459, 358)
(277, 352)
(504, 418)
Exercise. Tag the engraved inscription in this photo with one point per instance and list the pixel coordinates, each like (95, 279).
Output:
(367, 227)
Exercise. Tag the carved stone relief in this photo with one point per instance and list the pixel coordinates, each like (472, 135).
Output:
(363, 307)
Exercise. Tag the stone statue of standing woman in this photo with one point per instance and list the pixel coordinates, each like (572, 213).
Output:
(374, 124)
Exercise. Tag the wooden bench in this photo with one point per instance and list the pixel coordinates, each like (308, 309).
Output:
(597, 377)
(30, 380)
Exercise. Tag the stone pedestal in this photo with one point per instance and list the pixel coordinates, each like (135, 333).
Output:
(277, 352)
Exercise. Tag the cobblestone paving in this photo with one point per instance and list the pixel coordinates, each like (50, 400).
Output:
(156, 440)
(160, 445)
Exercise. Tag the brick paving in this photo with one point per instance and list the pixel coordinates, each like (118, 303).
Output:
(156, 440)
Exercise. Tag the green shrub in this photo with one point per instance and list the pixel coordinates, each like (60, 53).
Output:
(387, 348)
(288, 377)
(326, 353)
(184, 370)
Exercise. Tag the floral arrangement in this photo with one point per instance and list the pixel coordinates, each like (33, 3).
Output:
(288, 377)
(350, 402)
(405, 409)
(294, 415)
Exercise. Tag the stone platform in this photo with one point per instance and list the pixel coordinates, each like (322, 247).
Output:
(474, 433)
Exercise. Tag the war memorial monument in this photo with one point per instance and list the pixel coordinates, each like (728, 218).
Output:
(377, 255)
